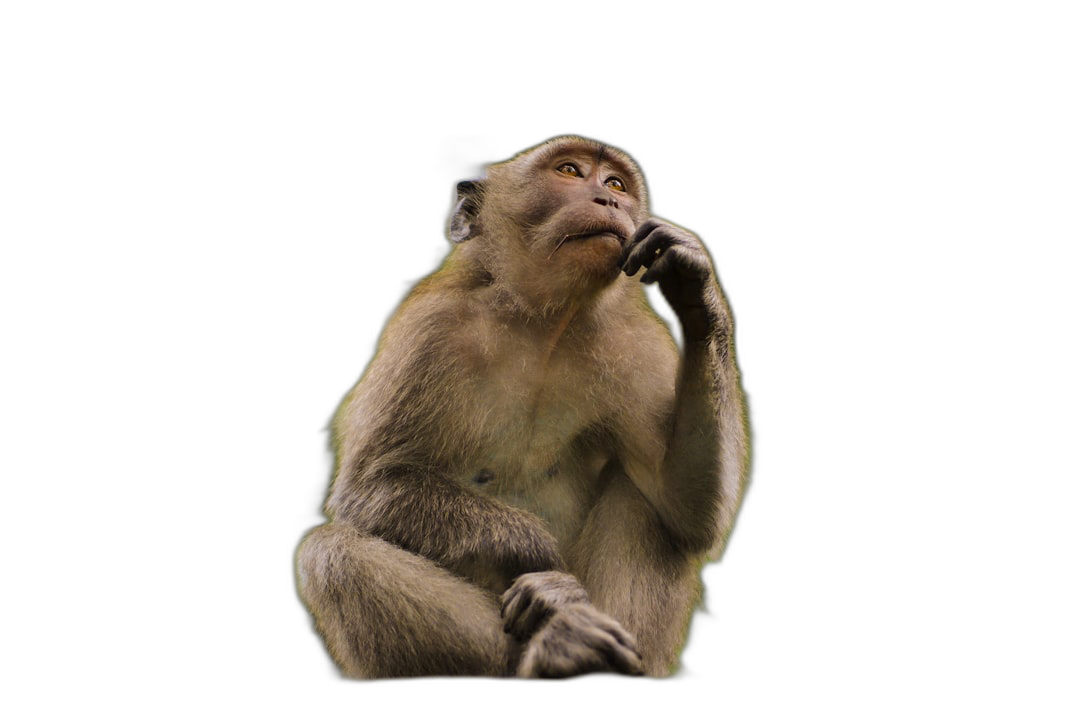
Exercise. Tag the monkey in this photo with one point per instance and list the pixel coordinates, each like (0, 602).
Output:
(530, 473)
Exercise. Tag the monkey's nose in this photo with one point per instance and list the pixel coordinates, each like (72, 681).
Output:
(599, 200)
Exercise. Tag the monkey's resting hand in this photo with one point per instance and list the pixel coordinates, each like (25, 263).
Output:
(678, 261)
(565, 635)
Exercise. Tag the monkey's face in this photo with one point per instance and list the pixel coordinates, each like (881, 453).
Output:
(577, 204)
(552, 223)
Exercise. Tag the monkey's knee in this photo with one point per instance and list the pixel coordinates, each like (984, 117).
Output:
(324, 560)
(331, 583)
(385, 612)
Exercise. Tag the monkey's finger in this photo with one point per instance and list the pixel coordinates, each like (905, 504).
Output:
(663, 265)
(511, 602)
(526, 618)
(532, 618)
(617, 631)
(667, 253)
(624, 660)
(644, 229)
(616, 647)
(640, 234)
(681, 259)
(646, 251)
(512, 613)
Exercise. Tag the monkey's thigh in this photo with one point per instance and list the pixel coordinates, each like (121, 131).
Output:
(385, 612)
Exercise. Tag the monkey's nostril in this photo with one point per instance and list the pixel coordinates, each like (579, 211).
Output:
(601, 201)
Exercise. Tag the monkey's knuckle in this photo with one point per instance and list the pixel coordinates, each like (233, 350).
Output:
(572, 644)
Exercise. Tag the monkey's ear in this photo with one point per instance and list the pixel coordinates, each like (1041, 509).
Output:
(463, 223)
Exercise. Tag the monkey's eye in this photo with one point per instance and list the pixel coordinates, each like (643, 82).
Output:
(615, 184)
(569, 169)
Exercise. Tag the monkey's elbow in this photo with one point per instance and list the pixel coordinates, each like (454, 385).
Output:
(691, 536)
(691, 514)
(697, 542)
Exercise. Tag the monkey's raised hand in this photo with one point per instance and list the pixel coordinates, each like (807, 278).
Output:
(678, 261)
(565, 635)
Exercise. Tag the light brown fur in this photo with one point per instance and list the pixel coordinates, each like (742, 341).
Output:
(528, 429)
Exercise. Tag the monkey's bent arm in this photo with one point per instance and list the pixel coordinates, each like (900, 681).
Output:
(703, 474)
(423, 512)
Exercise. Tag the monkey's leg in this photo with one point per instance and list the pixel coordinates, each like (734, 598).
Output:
(385, 612)
(633, 572)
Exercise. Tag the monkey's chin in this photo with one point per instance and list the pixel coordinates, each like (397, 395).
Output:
(595, 256)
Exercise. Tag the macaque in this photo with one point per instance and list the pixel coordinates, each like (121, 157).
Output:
(531, 473)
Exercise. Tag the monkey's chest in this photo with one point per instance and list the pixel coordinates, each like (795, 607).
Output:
(533, 445)
(531, 418)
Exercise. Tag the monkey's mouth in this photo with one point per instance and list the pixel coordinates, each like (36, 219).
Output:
(611, 232)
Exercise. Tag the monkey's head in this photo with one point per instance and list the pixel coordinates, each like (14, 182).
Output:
(551, 223)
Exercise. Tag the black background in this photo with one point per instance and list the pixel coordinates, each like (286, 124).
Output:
(306, 212)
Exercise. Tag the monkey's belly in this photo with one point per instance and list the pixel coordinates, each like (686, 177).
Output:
(561, 494)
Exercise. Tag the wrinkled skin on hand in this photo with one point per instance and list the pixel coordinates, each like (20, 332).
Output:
(677, 260)
(563, 634)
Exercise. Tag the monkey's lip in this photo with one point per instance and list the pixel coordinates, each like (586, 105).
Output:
(602, 231)
(614, 234)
